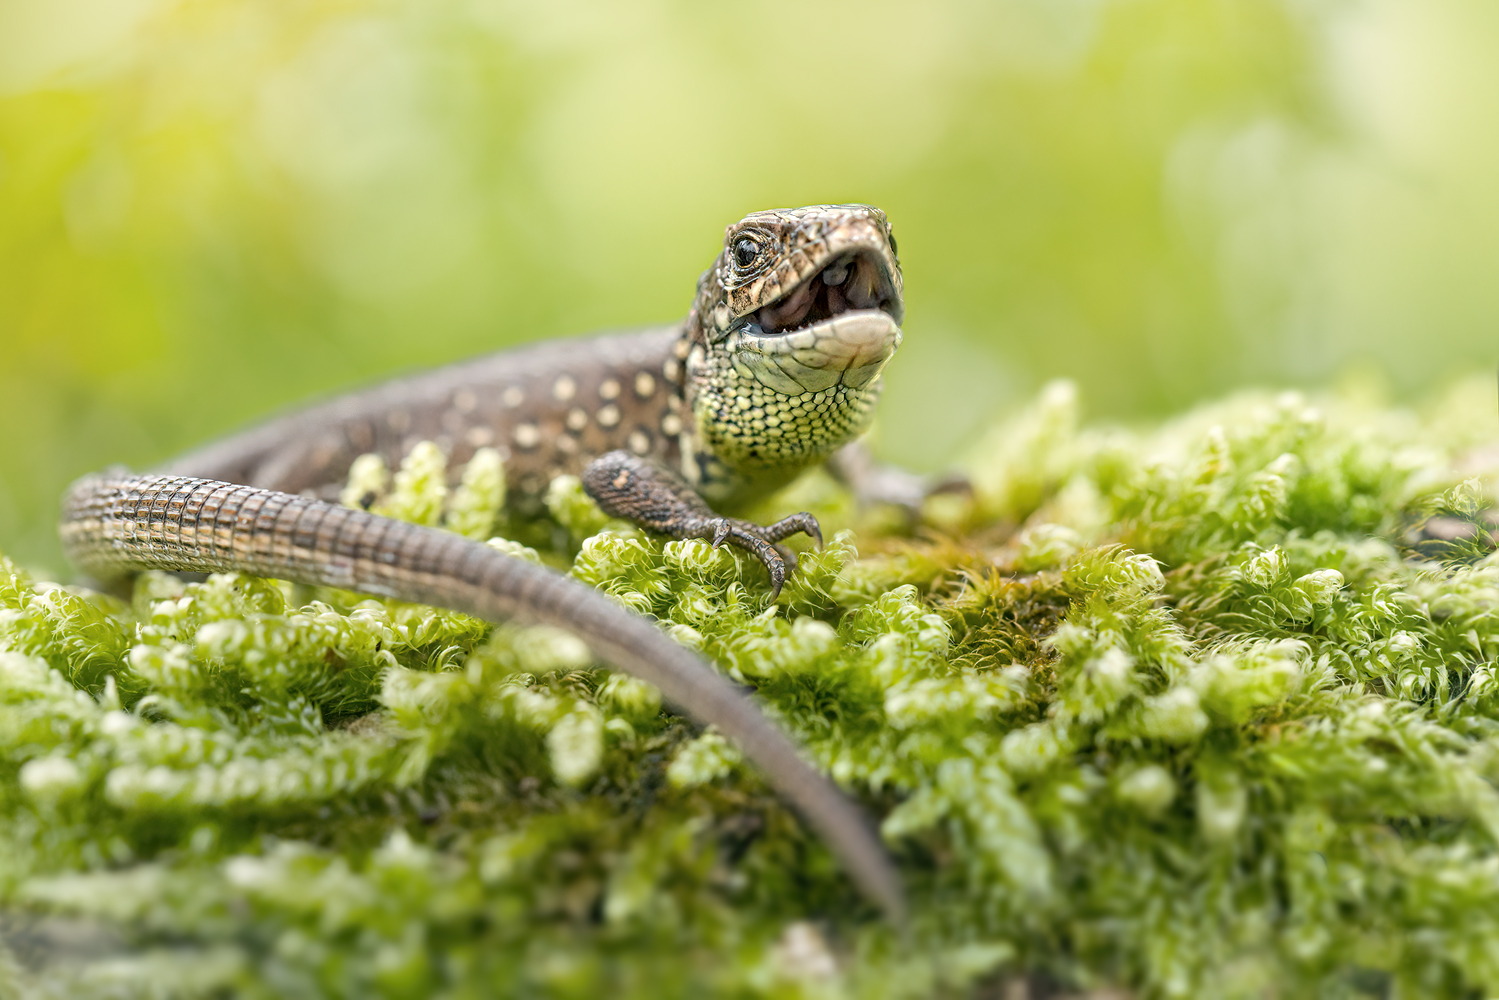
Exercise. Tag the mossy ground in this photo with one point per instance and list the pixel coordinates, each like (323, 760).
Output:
(1168, 710)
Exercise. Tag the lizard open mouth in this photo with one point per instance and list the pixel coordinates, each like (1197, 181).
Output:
(839, 327)
(850, 281)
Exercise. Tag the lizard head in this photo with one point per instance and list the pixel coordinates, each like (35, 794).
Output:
(789, 333)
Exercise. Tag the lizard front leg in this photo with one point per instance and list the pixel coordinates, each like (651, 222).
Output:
(638, 490)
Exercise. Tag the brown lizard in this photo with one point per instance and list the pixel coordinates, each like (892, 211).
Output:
(776, 367)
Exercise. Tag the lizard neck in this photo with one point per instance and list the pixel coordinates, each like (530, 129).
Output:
(751, 428)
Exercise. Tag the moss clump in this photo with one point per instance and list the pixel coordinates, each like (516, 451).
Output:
(1166, 710)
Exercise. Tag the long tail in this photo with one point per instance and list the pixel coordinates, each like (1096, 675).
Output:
(120, 523)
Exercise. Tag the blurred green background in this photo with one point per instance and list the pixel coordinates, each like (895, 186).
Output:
(215, 208)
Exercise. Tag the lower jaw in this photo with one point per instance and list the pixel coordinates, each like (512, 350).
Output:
(849, 351)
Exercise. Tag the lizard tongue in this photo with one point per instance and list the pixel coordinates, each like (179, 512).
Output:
(788, 312)
(835, 300)
(845, 284)
(864, 289)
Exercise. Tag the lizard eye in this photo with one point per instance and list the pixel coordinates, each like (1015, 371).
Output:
(746, 252)
(894, 247)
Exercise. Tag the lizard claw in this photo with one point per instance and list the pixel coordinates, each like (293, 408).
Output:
(755, 540)
(777, 572)
(764, 541)
(788, 526)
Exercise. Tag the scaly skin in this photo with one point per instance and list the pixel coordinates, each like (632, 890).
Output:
(776, 367)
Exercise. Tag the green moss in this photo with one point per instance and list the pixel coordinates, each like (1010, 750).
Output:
(1167, 710)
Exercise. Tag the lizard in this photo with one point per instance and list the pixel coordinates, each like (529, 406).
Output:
(776, 367)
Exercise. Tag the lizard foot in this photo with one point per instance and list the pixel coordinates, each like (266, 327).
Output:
(633, 488)
(761, 542)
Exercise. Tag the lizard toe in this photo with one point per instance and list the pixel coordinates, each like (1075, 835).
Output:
(795, 523)
(751, 538)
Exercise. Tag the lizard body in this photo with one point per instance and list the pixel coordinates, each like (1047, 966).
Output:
(549, 409)
(776, 366)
